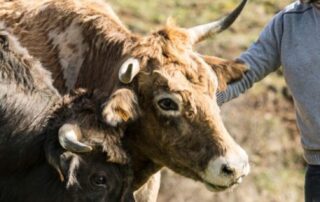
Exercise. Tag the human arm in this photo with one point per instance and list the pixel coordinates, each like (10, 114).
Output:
(262, 58)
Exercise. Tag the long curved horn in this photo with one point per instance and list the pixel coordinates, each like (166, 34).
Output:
(128, 70)
(201, 32)
(68, 139)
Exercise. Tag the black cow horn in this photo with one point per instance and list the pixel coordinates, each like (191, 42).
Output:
(201, 32)
(68, 138)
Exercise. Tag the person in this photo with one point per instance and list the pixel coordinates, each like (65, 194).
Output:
(291, 40)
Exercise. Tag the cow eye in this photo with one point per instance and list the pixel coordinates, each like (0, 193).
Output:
(99, 180)
(168, 105)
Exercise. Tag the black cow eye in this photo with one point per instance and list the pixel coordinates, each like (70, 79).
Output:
(99, 180)
(168, 105)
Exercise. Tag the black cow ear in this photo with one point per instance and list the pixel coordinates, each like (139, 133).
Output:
(65, 163)
(69, 164)
(53, 151)
(4, 41)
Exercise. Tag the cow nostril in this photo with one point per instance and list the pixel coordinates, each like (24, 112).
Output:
(227, 170)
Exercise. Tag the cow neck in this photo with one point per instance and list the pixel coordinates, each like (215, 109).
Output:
(143, 166)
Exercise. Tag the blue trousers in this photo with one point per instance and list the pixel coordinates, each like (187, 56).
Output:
(312, 184)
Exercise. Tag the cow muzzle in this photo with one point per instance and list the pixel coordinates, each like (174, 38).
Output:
(226, 171)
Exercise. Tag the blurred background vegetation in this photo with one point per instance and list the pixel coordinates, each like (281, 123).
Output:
(262, 120)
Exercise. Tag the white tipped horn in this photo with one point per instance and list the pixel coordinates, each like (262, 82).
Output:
(68, 139)
(128, 70)
(201, 32)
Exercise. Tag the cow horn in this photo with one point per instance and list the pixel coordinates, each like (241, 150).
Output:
(201, 32)
(68, 138)
(128, 70)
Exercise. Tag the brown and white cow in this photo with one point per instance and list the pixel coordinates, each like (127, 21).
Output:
(176, 120)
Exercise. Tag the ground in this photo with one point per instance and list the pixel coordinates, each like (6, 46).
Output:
(262, 121)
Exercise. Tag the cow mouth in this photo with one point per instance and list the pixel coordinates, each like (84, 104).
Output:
(218, 188)
(214, 187)
(211, 187)
(195, 175)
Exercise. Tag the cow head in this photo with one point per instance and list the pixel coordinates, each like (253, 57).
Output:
(179, 124)
(86, 153)
(88, 177)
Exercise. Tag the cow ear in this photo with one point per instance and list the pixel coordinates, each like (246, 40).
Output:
(121, 107)
(64, 162)
(69, 164)
(227, 71)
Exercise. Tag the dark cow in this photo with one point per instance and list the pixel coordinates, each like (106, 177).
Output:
(171, 88)
(54, 148)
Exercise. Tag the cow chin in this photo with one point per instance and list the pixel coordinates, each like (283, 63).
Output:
(215, 188)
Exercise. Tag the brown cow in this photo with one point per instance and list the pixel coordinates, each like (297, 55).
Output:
(176, 120)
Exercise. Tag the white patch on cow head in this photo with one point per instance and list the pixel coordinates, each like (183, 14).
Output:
(71, 46)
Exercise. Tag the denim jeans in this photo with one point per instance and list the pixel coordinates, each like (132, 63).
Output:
(312, 184)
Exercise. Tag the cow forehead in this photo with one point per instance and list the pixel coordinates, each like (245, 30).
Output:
(193, 74)
(169, 52)
(181, 80)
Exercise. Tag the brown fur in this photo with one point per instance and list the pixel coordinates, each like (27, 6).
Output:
(227, 71)
(168, 64)
(121, 107)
